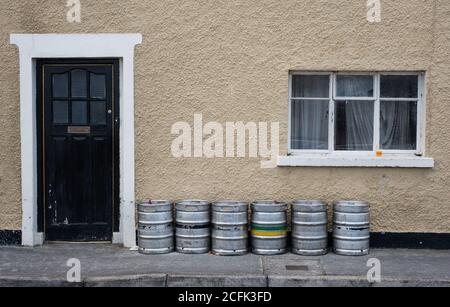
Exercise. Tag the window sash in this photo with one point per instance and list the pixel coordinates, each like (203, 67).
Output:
(377, 105)
(335, 87)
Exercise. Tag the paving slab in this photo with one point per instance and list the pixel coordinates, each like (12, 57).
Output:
(214, 281)
(150, 280)
(395, 264)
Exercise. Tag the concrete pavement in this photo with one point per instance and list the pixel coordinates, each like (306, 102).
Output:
(110, 265)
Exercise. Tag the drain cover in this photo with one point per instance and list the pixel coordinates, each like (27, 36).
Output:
(297, 268)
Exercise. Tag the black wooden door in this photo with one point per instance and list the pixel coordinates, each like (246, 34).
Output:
(79, 141)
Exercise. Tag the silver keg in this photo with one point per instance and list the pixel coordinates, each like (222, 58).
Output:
(351, 236)
(193, 219)
(229, 228)
(269, 228)
(309, 228)
(155, 227)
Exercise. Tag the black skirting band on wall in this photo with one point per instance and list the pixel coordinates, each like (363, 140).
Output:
(410, 240)
(10, 237)
(377, 240)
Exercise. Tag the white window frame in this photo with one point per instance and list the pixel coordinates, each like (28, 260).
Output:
(388, 158)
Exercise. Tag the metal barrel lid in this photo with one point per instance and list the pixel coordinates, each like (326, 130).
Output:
(230, 206)
(155, 205)
(309, 206)
(351, 206)
(193, 205)
(269, 206)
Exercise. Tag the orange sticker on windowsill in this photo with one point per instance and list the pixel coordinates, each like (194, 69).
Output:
(379, 154)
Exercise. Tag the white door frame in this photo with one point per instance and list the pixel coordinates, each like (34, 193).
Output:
(34, 46)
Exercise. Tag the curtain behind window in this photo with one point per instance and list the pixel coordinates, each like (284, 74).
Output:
(309, 124)
(354, 125)
(354, 119)
(398, 125)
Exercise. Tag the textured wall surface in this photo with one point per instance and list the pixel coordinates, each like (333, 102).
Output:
(229, 60)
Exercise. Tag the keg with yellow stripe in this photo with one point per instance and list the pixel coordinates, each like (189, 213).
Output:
(269, 228)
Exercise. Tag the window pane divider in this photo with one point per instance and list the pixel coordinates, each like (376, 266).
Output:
(421, 118)
(290, 123)
(331, 117)
(400, 99)
(376, 110)
(309, 98)
(355, 98)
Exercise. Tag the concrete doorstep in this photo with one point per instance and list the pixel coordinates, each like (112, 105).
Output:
(104, 265)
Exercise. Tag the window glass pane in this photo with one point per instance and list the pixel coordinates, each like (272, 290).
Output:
(304, 86)
(354, 86)
(79, 112)
(60, 112)
(309, 124)
(79, 84)
(98, 86)
(399, 86)
(354, 125)
(398, 121)
(98, 113)
(60, 85)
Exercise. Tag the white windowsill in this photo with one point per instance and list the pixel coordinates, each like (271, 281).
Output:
(339, 160)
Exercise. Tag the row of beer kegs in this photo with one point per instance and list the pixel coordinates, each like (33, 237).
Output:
(199, 226)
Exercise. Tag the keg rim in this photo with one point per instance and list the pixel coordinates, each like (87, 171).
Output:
(155, 202)
(269, 206)
(351, 207)
(352, 202)
(230, 206)
(152, 207)
(309, 206)
(268, 202)
(193, 202)
(193, 206)
(306, 201)
(229, 202)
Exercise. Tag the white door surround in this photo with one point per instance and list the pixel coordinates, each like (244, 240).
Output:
(34, 46)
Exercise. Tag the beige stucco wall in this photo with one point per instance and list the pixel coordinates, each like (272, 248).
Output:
(229, 60)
